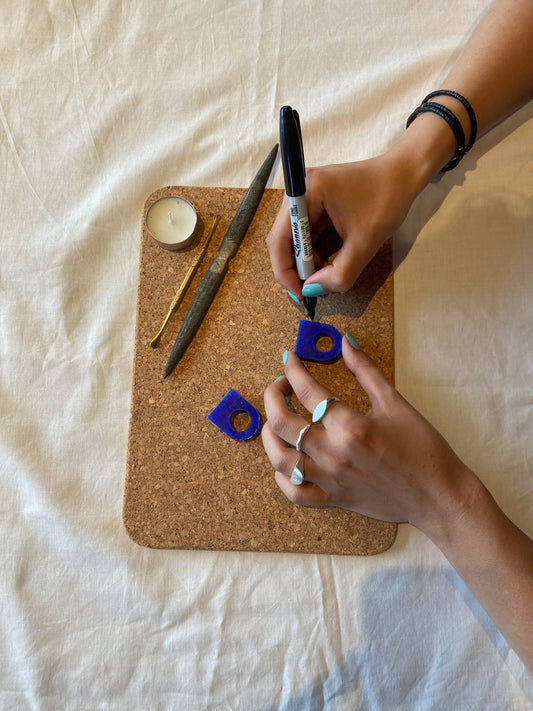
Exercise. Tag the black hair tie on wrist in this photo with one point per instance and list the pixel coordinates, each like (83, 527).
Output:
(468, 107)
(453, 122)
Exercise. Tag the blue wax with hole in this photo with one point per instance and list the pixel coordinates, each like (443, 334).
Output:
(227, 408)
(309, 333)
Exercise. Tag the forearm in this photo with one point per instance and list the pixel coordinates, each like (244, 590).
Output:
(494, 72)
(495, 69)
(495, 559)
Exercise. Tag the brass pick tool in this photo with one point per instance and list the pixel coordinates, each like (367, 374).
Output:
(186, 282)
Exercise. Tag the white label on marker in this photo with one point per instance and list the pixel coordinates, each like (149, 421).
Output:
(305, 239)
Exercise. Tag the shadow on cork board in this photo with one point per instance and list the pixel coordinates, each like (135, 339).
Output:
(188, 485)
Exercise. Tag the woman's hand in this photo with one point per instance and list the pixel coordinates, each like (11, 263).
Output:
(365, 202)
(390, 464)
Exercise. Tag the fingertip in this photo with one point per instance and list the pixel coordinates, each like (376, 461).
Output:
(353, 354)
(313, 290)
(288, 355)
(350, 347)
(294, 297)
(352, 340)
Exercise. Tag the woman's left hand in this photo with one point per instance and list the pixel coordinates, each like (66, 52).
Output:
(389, 464)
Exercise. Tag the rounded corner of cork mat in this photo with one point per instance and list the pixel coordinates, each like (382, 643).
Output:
(190, 486)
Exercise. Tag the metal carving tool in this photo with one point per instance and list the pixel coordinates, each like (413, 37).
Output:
(176, 301)
(219, 266)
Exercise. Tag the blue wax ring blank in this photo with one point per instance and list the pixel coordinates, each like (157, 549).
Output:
(309, 332)
(222, 415)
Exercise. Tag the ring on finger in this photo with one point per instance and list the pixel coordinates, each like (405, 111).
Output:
(297, 476)
(303, 432)
(321, 409)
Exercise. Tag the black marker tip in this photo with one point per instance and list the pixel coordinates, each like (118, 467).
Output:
(310, 305)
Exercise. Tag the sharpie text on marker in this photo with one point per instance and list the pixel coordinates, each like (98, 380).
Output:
(302, 235)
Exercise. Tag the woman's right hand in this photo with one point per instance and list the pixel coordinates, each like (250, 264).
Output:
(365, 202)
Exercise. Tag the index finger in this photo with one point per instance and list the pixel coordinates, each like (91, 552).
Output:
(306, 388)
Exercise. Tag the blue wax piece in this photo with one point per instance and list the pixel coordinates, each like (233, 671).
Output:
(309, 333)
(227, 408)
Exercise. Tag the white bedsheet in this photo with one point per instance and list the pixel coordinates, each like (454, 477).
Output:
(100, 104)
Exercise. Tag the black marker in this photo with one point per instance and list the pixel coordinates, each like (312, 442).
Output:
(292, 158)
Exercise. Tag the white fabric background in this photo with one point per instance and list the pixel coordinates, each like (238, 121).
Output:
(103, 102)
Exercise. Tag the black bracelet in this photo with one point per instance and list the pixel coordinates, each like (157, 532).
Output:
(468, 107)
(453, 122)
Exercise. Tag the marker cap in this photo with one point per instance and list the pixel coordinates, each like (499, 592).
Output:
(292, 152)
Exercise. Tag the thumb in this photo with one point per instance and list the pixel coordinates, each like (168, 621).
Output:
(339, 275)
(370, 376)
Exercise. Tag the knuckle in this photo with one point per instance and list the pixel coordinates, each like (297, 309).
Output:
(311, 176)
(268, 391)
(343, 279)
(341, 462)
(355, 429)
(279, 461)
(351, 435)
(276, 422)
(306, 392)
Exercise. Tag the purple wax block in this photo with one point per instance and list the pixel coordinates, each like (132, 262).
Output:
(309, 333)
(223, 414)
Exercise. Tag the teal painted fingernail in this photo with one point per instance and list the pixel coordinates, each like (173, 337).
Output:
(313, 290)
(352, 340)
(285, 356)
(293, 297)
(278, 378)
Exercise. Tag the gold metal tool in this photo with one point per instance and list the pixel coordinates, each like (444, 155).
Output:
(186, 282)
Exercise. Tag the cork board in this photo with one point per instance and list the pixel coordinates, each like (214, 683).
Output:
(188, 485)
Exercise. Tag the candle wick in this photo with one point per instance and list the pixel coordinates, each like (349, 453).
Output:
(169, 217)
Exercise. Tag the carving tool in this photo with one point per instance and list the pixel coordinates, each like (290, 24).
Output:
(219, 266)
(186, 282)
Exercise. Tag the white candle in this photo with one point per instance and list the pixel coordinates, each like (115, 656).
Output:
(171, 221)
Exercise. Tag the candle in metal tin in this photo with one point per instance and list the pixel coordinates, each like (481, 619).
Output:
(172, 222)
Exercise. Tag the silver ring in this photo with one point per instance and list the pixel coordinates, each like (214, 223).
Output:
(297, 476)
(301, 436)
(321, 409)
